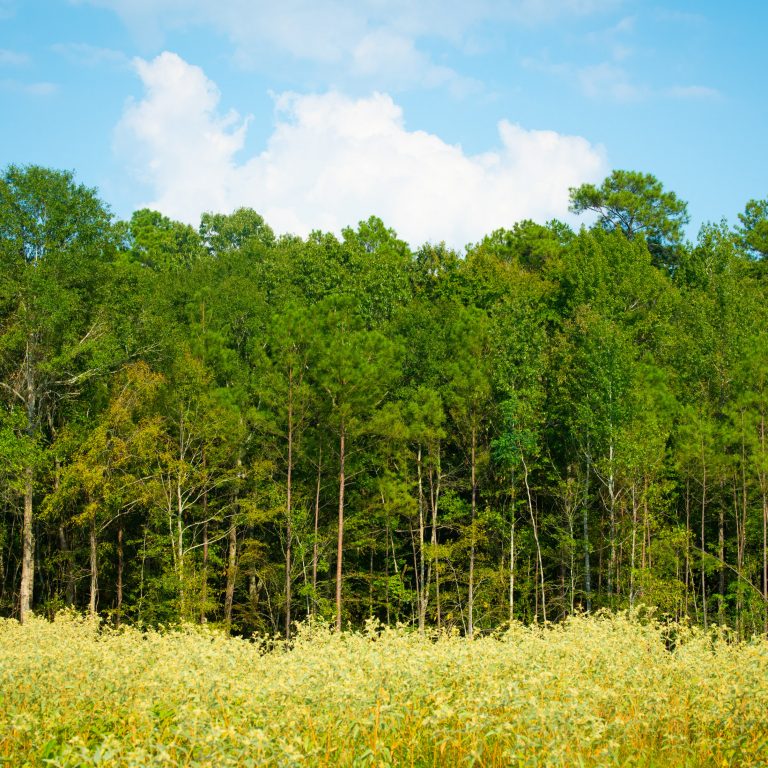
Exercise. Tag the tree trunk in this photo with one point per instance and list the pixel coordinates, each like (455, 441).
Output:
(632, 556)
(229, 594)
(340, 539)
(288, 510)
(540, 564)
(386, 566)
(764, 493)
(27, 551)
(204, 586)
(585, 527)
(67, 574)
(26, 586)
(721, 566)
(94, 591)
(741, 531)
(471, 595)
(423, 587)
(119, 611)
(688, 539)
(703, 550)
(316, 531)
(414, 551)
(69, 579)
(180, 547)
(765, 562)
(512, 562)
(572, 563)
(204, 595)
(435, 478)
(612, 523)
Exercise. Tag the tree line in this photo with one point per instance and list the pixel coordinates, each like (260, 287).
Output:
(222, 425)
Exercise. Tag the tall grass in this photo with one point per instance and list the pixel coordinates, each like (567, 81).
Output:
(594, 691)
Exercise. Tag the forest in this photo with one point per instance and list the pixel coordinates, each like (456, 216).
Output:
(220, 425)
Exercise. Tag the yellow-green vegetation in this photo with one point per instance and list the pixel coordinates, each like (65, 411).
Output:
(594, 691)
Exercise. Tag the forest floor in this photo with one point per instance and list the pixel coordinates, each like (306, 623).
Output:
(608, 690)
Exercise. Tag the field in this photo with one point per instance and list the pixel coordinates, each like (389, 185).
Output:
(595, 691)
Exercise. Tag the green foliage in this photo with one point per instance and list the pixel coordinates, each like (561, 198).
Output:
(753, 230)
(158, 242)
(221, 233)
(46, 216)
(552, 422)
(18, 450)
(635, 203)
(534, 246)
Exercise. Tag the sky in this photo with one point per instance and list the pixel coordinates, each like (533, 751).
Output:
(446, 119)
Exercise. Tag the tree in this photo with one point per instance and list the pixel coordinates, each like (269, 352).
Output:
(709, 352)
(161, 243)
(531, 245)
(55, 239)
(287, 395)
(753, 231)
(354, 368)
(425, 419)
(198, 454)
(221, 233)
(637, 204)
(470, 403)
(520, 337)
(613, 313)
(100, 465)
(515, 449)
(204, 421)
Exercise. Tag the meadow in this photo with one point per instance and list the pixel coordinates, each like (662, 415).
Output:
(607, 690)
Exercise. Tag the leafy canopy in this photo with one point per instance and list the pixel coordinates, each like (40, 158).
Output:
(636, 203)
(754, 228)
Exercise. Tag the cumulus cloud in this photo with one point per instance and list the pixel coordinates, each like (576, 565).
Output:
(332, 161)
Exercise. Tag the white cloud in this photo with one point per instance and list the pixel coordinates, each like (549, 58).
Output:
(39, 89)
(692, 92)
(347, 38)
(13, 58)
(610, 81)
(91, 55)
(332, 160)
(327, 24)
(685, 18)
(383, 50)
(606, 81)
(31, 89)
(614, 38)
(539, 11)
(177, 142)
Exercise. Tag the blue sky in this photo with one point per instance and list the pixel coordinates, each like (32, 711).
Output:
(446, 119)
